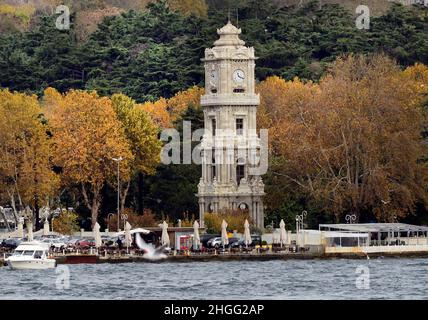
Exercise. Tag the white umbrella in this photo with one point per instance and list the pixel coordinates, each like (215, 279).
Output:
(247, 234)
(282, 233)
(46, 228)
(128, 238)
(165, 236)
(97, 235)
(30, 230)
(196, 238)
(224, 237)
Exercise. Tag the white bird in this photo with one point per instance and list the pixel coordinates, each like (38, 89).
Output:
(150, 252)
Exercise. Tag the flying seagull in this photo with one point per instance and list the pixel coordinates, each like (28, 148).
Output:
(150, 252)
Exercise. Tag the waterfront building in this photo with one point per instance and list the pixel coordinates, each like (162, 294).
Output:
(230, 147)
(374, 238)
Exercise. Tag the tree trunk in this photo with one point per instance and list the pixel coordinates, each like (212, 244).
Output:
(93, 205)
(123, 196)
(13, 205)
(141, 193)
(94, 213)
(37, 213)
(3, 215)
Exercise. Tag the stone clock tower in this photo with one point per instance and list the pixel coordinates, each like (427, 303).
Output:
(230, 147)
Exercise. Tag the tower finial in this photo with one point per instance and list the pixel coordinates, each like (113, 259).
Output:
(228, 12)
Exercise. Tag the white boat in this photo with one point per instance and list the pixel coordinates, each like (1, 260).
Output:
(31, 255)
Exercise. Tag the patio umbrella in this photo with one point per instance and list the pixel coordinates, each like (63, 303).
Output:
(165, 236)
(46, 228)
(247, 234)
(97, 235)
(224, 237)
(30, 230)
(282, 233)
(196, 238)
(128, 238)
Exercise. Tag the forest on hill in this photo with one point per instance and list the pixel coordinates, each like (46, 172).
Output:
(152, 55)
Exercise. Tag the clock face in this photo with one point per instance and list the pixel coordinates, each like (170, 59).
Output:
(239, 76)
(213, 77)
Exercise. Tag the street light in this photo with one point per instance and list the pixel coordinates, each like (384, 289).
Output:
(300, 223)
(118, 160)
(350, 218)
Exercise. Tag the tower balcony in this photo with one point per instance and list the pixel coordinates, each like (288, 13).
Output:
(236, 99)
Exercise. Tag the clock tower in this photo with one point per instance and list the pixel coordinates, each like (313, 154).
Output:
(230, 147)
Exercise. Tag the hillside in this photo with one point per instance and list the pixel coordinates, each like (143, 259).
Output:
(156, 52)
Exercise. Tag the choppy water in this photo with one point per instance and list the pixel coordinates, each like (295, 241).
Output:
(294, 279)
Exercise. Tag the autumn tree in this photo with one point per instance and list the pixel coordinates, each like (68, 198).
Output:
(66, 223)
(142, 136)
(26, 175)
(87, 136)
(158, 112)
(354, 144)
(183, 100)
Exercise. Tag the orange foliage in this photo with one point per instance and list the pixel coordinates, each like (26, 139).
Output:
(87, 135)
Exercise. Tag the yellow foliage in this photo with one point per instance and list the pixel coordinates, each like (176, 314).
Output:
(25, 150)
(141, 133)
(235, 220)
(183, 100)
(158, 112)
(87, 136)
(66, 223)
(23, 12)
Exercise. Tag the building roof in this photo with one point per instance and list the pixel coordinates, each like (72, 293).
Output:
(373, 227)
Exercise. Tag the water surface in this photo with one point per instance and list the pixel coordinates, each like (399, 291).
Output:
(389, 278)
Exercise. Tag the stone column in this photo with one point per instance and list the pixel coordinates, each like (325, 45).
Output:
(46, 228)
(20, 228)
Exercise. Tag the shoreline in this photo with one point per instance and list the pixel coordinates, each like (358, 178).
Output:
(94, 259)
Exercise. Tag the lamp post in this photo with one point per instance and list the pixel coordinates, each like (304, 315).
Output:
(300, 223)
(350, 218)
(118, 160)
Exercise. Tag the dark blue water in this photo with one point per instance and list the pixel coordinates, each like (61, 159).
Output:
(293, 279)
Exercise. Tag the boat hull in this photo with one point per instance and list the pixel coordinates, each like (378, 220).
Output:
(31, 264)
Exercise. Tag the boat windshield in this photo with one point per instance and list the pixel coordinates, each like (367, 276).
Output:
(28, 253)
(17, 252)
(38, 254)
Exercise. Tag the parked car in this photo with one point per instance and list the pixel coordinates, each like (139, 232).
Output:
(57, 243)
(11, 243)
(108, 241)
(206, 237)
(86, 242)
(255, 240)
(216, 242)
(72, 242)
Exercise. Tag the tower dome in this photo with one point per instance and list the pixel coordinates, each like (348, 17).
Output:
(229, 36)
